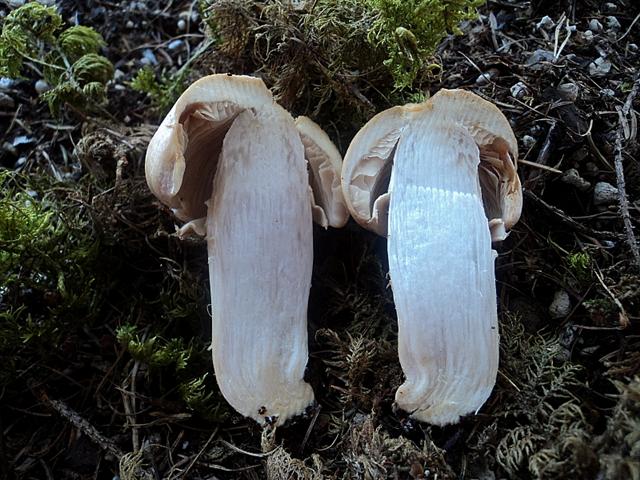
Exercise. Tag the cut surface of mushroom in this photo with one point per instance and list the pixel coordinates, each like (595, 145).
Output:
(231, 163)
(441, 263)
(260, 258)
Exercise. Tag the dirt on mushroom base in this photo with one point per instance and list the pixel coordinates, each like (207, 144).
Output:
(566, 401)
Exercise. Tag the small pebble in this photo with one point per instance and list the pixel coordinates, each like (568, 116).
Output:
(175, 44)
(613, 23)
(604, 194)
(182, 25)
(518, 90)
(568, 91)
(21, 140)
(486, 77)
(41, 86)
(16, 3)
(595, 25)
(587, 36)
(561, 305)
(7, 147)
(573, 178)
(118, 74)
(6, 83)
(6, 101)
(546, 23)
(528, 141)
(632, 48)
(130, 24)
(537, 57)
(599, 67)
(610, 7)
(148, 57)
(607, 92)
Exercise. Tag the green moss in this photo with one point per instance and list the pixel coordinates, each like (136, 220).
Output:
(69, 59)
(162, 91)
(154, 351)
(339, 61)
(580, 265)
(47, 251)
(79, 40)
(410, 30)
(198, 393)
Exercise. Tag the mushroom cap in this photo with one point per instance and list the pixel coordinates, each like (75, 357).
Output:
(325, 166)
(369, 158)
(367, 164)
(193, 127)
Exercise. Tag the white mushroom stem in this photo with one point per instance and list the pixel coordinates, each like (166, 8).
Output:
(441, 266)
(231, 164)
(260, 244)
(453, 186)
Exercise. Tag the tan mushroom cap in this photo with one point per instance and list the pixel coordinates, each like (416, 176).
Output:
(180, 162)
(325, 166)
(367, 163)
(205, 110)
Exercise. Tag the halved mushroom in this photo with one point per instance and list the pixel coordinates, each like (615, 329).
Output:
(440, 160)
(229, 161)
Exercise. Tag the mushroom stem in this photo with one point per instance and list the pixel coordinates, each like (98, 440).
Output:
(453, 188)
(260, 244)
(231, 163)
(438, 233)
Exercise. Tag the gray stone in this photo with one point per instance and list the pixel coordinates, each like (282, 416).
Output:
(604, 194)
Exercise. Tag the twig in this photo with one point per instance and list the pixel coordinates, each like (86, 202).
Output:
(199, 454)
(622, 193)
(545, 152)
(623, 317)
(244, 452)
(629, 29)
(311, 425)
(129, 403)
(83, 425)
(566, 220)
(541, 167)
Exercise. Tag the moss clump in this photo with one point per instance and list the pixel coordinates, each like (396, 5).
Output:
(162, 91)
(181, 360)
(542, 421)
(47, 253)
(579, 264)
(370, 452)
(326, 57)
(69, 58)
(410, 30)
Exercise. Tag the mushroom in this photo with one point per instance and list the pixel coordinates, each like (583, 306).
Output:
(439, 180)
(231, 163)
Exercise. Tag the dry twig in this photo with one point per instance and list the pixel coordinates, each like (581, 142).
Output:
(625, 134)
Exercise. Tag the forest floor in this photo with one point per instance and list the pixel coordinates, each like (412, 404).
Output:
(104, 321)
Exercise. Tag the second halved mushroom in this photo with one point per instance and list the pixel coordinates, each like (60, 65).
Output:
(229, 161)
(440, 160)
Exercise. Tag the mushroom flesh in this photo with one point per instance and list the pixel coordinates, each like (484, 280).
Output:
(439, 180)
(231, 163)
